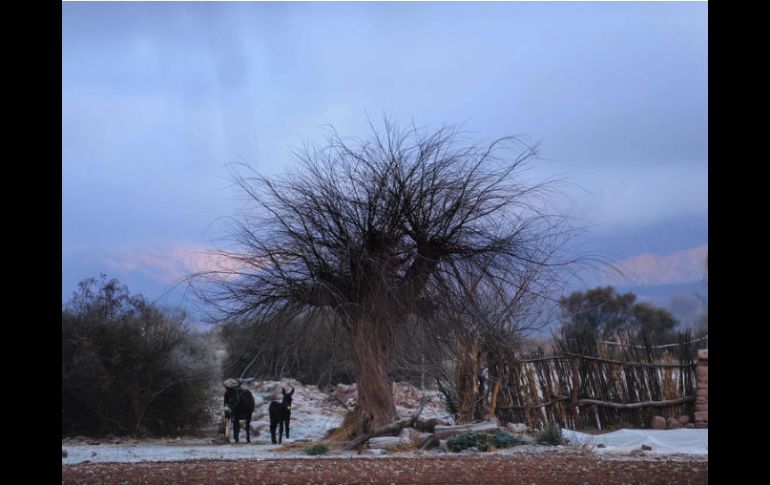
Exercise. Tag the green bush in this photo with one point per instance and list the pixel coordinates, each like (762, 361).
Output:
(318, 449)
(503, 439)
(129, 367)
(467, 440)
(551, 435)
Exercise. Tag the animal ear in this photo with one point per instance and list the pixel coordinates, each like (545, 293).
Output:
(283, 390)
(292, 391)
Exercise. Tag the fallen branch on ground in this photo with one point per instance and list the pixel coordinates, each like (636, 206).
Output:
(388, 428)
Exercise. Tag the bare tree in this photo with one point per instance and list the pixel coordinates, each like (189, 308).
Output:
(388, 231)
(489, 321)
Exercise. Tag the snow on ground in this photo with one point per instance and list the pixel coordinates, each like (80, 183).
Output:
(622, 442)
(314, 413)
(144, 452)
(662, 441)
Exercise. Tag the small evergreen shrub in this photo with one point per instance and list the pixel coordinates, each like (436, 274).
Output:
(318, 449)
(504, 439)
(467, 440)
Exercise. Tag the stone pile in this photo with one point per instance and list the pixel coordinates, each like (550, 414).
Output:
(682, 421)
(701, 400)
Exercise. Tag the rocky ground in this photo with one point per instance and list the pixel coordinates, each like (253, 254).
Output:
(544, 468)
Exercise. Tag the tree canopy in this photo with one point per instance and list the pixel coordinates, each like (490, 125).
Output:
(604, 312)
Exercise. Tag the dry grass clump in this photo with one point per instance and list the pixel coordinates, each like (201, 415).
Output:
(344, 433)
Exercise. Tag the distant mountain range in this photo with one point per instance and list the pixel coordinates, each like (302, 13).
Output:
(660, 295)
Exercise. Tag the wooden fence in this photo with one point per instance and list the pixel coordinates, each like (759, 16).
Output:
(619, 385)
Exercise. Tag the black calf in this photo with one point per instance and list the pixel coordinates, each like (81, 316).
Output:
(239, 405)
(280, 414)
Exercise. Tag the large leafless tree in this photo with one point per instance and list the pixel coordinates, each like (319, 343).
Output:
(385, 232)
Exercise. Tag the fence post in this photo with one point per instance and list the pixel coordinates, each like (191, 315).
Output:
(574, 391)
(702, 389)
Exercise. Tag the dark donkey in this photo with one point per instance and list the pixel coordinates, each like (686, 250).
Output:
(280, 414)
(239, 405)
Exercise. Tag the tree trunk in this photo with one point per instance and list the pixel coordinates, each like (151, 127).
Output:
(466, 379)
(371, 353)
(489, 415)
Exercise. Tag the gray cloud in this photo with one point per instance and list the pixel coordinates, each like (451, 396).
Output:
(157, 97)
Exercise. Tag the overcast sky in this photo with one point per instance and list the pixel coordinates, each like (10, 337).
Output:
(158, 97)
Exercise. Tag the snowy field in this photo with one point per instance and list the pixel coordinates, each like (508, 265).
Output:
(314, 413)
(662, 441)
(143, 452)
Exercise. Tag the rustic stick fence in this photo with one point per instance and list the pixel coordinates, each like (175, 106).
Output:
(599, 384)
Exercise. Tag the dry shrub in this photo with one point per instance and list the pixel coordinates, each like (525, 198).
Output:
(551, 435)
(344, 433)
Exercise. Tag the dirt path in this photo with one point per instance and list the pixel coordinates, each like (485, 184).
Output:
(544, 468)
